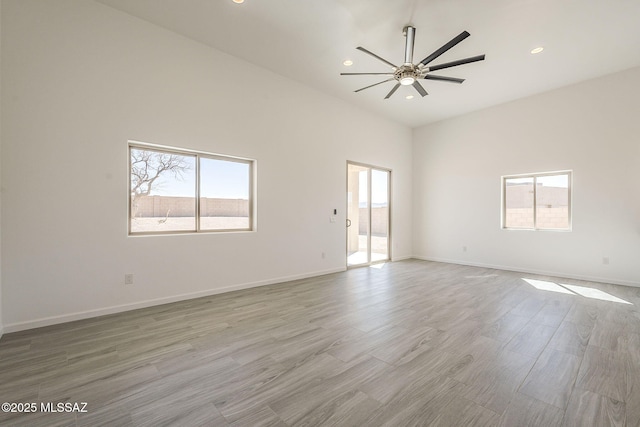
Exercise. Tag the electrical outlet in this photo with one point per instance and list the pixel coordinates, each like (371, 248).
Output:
(128, 279)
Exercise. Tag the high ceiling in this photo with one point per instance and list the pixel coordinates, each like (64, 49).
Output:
(308, 40)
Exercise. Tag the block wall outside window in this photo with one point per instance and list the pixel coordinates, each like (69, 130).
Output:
(540, 201)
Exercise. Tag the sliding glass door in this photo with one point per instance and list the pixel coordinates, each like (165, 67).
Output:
(368, 214)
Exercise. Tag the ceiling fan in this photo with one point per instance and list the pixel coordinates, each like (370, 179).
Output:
(409, 73)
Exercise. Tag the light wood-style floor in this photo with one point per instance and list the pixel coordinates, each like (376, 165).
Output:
(412, 343)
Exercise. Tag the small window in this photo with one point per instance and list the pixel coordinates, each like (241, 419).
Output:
(540, 201)
(178, 191)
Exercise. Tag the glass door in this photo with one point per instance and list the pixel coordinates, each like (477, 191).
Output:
(367, 214)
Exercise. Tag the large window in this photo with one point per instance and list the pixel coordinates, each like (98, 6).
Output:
(178, 191)
(540, 201)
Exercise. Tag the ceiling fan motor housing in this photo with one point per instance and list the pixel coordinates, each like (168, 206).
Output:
(406, 74)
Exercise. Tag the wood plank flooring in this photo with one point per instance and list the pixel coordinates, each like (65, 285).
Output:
(413, 343)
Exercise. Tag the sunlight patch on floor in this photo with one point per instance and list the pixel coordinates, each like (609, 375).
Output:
(595, 293)
(544, 285)
(584, 291)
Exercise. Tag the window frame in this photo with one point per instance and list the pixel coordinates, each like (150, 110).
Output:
(535, 177)
(252, 163)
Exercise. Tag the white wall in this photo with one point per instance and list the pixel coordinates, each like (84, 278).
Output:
(78, 80)
(591, 128)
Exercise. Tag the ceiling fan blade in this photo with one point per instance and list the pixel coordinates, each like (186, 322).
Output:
(375, 84)
(456, 63)
(376, 56)
(395, 88)
(410, 34)
(420, 89)
(366, 74)
(454, 41)
(443, 78)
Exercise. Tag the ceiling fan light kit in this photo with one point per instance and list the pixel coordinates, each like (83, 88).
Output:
(409, 73)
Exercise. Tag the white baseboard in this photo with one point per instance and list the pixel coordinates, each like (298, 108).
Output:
(532, 271)
(53, 320)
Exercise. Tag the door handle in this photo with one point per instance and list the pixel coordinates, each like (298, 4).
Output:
(348, 222)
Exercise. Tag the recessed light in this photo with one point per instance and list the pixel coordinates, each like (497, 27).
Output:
(409, 97)
(347, 63)
(238, 1)
(537, 50)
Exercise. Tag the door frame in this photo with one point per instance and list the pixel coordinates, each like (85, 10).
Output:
(389, 213)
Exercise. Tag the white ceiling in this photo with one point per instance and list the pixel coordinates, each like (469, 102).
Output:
(307, 40)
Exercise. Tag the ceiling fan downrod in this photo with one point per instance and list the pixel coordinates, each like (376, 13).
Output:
(410, 33)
